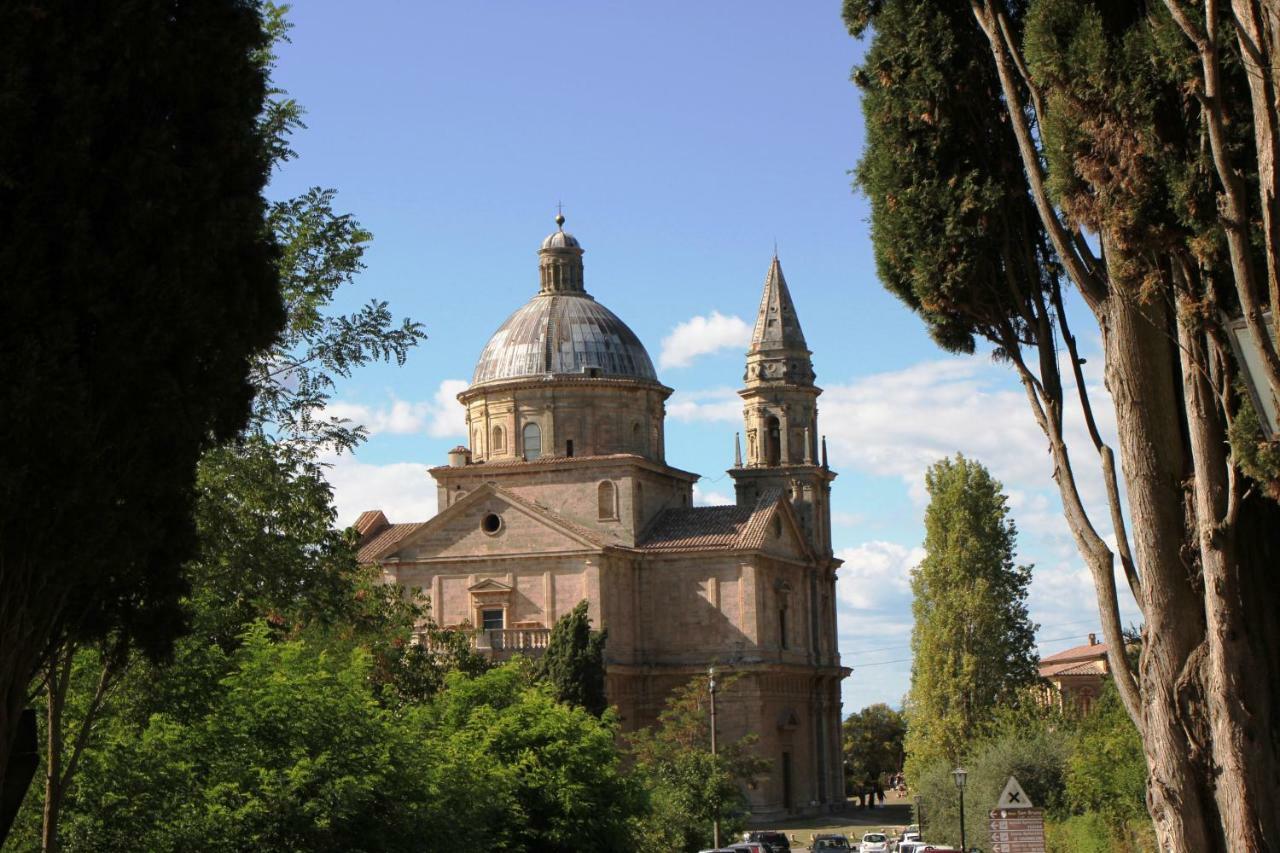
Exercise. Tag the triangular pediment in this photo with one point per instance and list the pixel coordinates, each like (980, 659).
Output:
(489, 585)
(492, 522)
(784, 537)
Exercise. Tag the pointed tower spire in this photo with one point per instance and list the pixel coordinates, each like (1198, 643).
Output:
(737, 451)
(777, 326)
(780, 416)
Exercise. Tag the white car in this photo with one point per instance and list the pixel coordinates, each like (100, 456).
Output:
(874, 842)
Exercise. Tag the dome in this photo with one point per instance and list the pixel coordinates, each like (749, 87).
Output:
(560, 240)
(563, 333)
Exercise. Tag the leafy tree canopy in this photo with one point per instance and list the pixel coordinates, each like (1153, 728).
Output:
(973, 645)
(873, 743)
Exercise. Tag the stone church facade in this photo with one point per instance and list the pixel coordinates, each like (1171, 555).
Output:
(564, 494)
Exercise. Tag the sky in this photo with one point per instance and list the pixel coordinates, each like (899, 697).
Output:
(685, 141)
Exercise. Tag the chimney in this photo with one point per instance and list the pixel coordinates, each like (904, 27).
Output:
(1093, 639)
(459, 457)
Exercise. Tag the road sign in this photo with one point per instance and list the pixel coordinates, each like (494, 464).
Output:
(1013, 797)
(1019, 830)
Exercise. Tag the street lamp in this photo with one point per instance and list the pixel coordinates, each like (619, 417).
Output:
(920, 816)
(711, 687)
(961, 775)
(1248, 352)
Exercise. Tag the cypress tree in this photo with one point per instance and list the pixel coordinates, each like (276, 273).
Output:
(574, 661)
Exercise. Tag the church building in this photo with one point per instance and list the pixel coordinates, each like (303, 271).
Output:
(564, 494)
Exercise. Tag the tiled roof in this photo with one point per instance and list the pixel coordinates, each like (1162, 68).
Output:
(703, 528)
(370, 522)
(1084, 667)
(1085, 652)
(382, 541)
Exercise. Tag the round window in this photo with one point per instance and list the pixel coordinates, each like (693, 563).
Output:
(491, 523)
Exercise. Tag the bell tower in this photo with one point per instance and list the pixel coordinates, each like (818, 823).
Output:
(780, 413)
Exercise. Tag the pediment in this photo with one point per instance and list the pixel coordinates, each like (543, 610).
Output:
(784, 536)
(467, 530)
(489, 585)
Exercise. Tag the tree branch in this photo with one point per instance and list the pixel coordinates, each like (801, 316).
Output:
(1091, 286)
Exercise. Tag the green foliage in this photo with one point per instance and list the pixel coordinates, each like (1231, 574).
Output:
(1250, 449)
(556, 769)
(293, 752)
(1091, 833)
(1036, 756)
(134, 228)
(687, 786)
(1086, 770)
(1107, 773)
(873, 743)
(574, 661)
(951, 220)
(973, 645)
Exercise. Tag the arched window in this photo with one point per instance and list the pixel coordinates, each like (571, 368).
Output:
(637, 438)
(532, 442)
(773, 441)
(499, 440)
(608, 500)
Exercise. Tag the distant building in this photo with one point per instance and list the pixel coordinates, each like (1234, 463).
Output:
(564, 495)
(1076, 675)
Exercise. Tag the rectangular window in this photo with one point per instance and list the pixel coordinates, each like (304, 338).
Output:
(782, 627)
(491, 620)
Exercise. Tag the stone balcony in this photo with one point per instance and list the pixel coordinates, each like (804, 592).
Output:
(501, 644)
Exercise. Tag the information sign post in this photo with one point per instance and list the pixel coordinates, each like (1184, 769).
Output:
(1016, 825)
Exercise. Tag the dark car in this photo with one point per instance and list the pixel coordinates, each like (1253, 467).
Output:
(830, 844)
(774, 842)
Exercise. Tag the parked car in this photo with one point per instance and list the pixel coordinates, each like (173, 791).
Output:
(774, 842)
(874, 842)
(830, 842)
(748, 847)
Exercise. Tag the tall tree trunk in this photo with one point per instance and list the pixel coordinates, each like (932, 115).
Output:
(1141, 373)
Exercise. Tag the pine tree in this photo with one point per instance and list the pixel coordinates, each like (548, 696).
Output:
(574, 661)
(973, 643)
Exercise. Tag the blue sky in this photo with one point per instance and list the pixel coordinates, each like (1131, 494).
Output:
(683, 139)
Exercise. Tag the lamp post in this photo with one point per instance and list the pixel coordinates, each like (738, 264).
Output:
(920, 816)
(961, 775)
(711, 687)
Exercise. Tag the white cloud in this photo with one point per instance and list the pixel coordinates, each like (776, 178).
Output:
(702, 497)
(448, 417)
(899, 423)
(717, 404)
(440, 417)
(876, 575)
(404, 491)
(701, 336)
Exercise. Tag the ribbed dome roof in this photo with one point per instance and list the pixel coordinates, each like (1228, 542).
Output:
(563, 333)
(560, 240)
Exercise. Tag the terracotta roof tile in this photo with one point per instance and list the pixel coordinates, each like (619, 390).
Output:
(1086, 667)
(703, 528)
(1085, 652)
(381, 542)
(370, 522)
